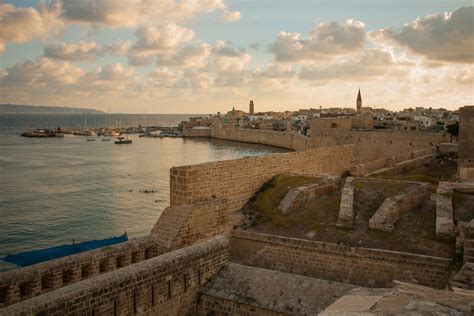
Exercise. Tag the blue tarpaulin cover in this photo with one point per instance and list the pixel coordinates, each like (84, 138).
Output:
(27, 258)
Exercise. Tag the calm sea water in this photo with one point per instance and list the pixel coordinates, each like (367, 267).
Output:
(54, 190)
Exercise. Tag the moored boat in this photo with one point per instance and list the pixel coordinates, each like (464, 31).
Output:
(123, 140)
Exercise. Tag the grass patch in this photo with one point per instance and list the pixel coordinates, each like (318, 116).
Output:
(263, 206)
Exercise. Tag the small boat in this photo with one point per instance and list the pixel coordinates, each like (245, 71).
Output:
(123, 140)
(90, 139)
(106, 139)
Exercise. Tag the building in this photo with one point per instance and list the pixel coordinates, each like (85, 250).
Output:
(251, 108)
(359, 102)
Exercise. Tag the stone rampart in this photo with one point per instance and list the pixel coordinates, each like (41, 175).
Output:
(360, 266)
(346, 209)
(397, 163)
(164, 285)
(297, 196)
(394, 207)
(287, 140)
(23, 283)
(375, 145)
(466, 144)
(238, 180)
(183, 225)
(197, 132)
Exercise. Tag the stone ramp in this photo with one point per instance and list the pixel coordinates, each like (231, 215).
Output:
(243, 289)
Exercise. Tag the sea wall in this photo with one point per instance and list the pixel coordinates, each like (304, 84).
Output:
(272, 138)
(196, 132)
(164, 285)
(23, 283)
(238, 180)
(374, 145)
(360, 266)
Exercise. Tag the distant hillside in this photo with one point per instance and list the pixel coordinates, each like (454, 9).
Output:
(33, 109)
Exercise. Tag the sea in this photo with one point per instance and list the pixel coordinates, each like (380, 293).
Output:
(54, 191)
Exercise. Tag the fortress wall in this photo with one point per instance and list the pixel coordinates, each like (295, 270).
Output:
(164, 285)
(23, 283)
(183, 225)
(238, 180)
(374, 145)
(360, 266)
(466, 144)
(272, 138)
(196, 132)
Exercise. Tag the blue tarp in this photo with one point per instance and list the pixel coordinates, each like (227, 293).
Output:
(24, 259)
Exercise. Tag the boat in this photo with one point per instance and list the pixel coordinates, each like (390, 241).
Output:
(90, 139)
(123, 140)
(28, 258)
(106, 139)
(58, 132)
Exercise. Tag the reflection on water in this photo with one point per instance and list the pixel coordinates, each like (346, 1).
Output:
(54, 190)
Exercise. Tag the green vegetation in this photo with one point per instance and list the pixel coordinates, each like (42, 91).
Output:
(263, 207)
(453, 129)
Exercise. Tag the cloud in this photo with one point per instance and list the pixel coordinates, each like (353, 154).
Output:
(162, 37)
(19, 25)
(79, 51)
(161, 40)
(368, 65)
(187, 56)
(230, 16)
(325, 40)
(465, 77)
(440, 37)
(131, 13)
(41, 73)
(119, 49)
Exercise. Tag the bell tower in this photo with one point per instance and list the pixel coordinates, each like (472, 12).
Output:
(359, 102)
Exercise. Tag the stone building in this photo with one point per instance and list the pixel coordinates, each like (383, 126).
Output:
(466, 144)
(359, 102)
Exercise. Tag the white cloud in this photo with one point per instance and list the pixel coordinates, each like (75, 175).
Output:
(188, 56)
(367, 65)
(325, 40)
(20, 25)
(441, 37)
(130, 13)
(79, 51)
(230, 16)
(40, 73)
(162, 37)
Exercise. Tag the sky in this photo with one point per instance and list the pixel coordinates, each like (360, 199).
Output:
(205, 56)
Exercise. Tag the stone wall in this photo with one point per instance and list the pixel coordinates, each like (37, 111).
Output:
(183, 225)
(374, 145)
(23, 283)
(394, 207)
(164, 285)
(466, 143)
(197, 132)
(360, 266)
(397, 163)
(238, 180)
(272, 138)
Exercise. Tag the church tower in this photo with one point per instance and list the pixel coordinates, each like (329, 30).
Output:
(251, 108)
(359, 102)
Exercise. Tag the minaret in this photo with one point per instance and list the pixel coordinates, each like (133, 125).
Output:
(359, 102)
(251, 109)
